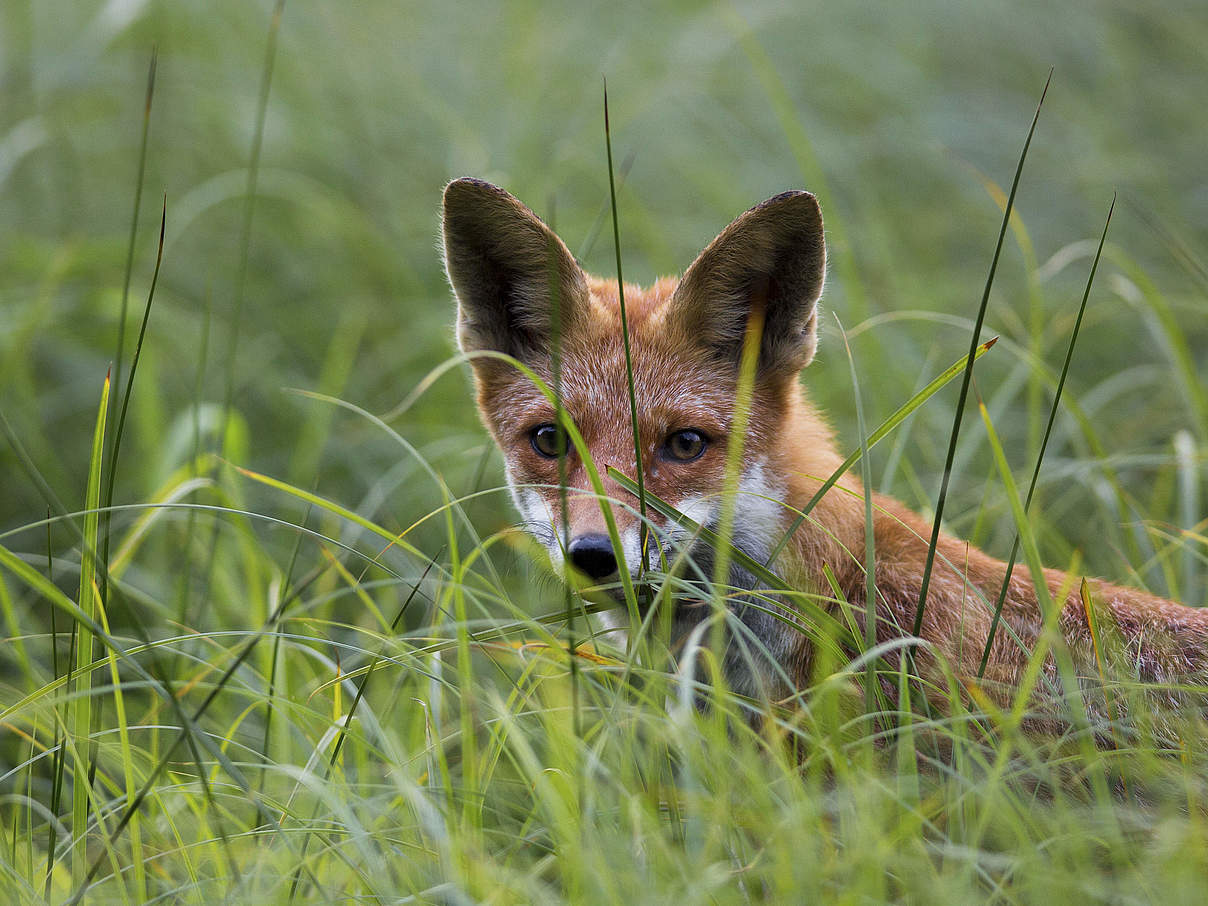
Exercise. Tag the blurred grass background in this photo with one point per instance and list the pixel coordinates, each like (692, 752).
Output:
(906, 119)
(895, 115)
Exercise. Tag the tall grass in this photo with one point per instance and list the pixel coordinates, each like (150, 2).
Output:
(338, 672)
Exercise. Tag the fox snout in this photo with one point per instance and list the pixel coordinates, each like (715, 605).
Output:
(588, 545)
(592, 554)
(583, 541)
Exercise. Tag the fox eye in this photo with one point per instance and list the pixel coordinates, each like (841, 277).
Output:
(546, 442)
(684, 446)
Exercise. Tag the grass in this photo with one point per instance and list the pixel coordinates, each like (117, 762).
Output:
(315, 663)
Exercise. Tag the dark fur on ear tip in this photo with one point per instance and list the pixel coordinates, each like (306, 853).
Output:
(466, 187)
(785, 196)
(795, 203)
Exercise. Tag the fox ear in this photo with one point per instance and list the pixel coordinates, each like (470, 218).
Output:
(772, 258)
(507, 269)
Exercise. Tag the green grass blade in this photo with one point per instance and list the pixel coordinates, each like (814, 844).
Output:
(1098, 643)
(633, 403)
(959, 413)
(58, 765)
(1044, 443)
(334, 508)
(270, 695)
(1187, 458)
(188, 731)
(870, 543)
(81, 710)
(12, 628)
(137, 857)
(879, 434)
(115, 447)
(115, 439)
(748, 364)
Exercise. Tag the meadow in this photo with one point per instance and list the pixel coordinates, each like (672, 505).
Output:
(266, 631)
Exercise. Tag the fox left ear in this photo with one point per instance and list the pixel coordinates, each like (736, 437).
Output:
(771, 259)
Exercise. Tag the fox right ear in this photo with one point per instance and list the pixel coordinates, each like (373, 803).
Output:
(508, 270)
(772, 258)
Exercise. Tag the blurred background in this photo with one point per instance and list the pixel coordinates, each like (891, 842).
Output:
(906, 119)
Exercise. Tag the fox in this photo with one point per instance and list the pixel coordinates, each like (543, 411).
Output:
(521, 293)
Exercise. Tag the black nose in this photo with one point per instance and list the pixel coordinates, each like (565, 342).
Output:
(593, 554)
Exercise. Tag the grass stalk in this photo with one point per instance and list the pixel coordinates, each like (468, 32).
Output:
(724, 550)
(270, 696)
(189, 734)
(57, 764)
(125, 405)
(1098, 643)
(127, 275)
(740, 417)
(466, 689)
(88, 601)
(870, 543)
(137, 856)
(1044, 443)
(967, 378)
(633, 403)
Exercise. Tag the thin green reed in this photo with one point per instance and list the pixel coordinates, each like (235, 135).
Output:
(633, 403)
(79, 735)
(959, 412)
(1044, 443)
(870, 543)
(115, 441)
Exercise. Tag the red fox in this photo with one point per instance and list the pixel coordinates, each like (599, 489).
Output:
(513, 278)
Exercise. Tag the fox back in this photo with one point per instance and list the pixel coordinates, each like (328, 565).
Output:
(522, 294)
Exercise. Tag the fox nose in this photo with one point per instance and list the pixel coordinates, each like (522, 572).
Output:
(593, 554)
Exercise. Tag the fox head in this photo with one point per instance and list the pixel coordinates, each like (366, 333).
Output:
(521, 292)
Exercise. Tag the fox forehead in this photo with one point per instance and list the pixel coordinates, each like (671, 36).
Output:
(675, 386)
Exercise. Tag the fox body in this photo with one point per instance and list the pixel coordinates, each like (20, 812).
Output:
(521, 293)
